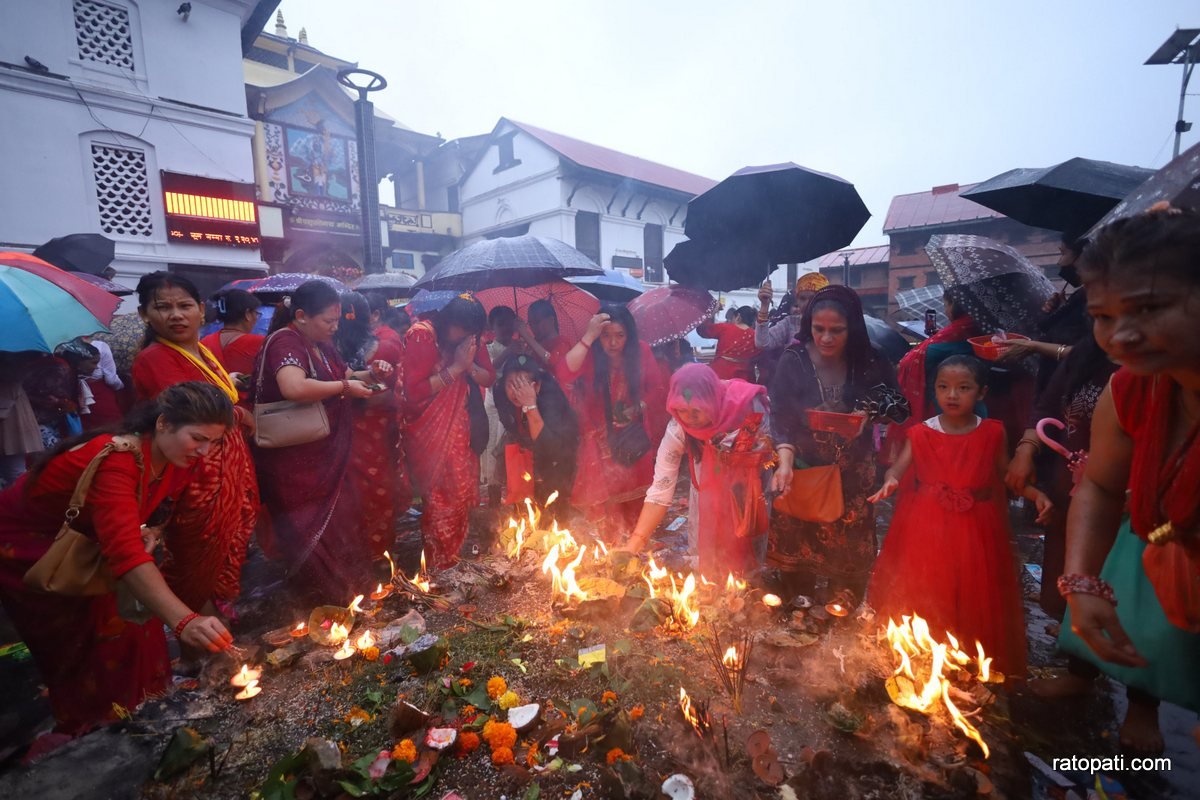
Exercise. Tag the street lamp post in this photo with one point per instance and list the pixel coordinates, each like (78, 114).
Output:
(368, 185)
(845, 269)
(1181, 47)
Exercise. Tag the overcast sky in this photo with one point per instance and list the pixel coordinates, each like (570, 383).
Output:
(895, 97)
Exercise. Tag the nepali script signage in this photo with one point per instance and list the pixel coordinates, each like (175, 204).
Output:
(207, 211)
(304, 219)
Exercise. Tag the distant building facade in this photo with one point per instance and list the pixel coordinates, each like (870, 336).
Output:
(112, 125)
(863, 269)
(624, 212)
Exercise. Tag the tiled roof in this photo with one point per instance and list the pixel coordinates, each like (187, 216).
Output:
(938, 206)
(877, 254)
(603, 159)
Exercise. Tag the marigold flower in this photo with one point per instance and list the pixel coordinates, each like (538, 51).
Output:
(370, 653)
(617, 754)
(469, 710)
(531, 759)
(499, 734)
(496, 686)
(608, 697)
(637, 712)
(502, 756)
(464, 682)
(405, 751)
(468, 742)
(508, 700)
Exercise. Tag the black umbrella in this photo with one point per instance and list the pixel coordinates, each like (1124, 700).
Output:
(1067, 197)
(1178, 183)
(79, 252)
(719, 267)
(104, 283)
(887, 340)
(511, 261)
(789, 213)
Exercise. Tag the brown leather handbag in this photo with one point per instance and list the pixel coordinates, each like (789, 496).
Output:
(815, 495)
(74, 565)
(286, 423)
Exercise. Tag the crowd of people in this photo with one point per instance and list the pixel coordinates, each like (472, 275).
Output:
(312, 440)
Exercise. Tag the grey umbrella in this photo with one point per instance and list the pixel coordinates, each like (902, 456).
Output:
(510, 261)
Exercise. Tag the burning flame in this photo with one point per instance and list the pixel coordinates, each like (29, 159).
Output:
(911, 641)
(683, 603)
(563, 581)
(391, 564)
(689, 713)
(527, 477)
(338, 633)
(355, 606)
(550, 500)
(772, 600)
(421, 580)
(251, 690)
(984, 662)
(345, 651)
(731, 658)
(733, 584)
(365, 641)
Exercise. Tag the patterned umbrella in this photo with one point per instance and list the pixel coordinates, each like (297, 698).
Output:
(1000, 288)
(125, 336)
(286, 282)
(38, 314)
(245, 284)
(97, 301)
(511, 261)
(670, 312)
(574, 306)
(1178, 183)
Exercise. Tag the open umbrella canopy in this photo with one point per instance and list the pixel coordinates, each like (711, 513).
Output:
(39, 315)
(125, 336)
(1068, 197)
(669, 312)
(886, 339)
(788, 213)
(574, 307)
(393, 284)
(510, 261)
(97, 301)
(1178, 183)
(915, 302)
(427, 302)
(245, 284)
(1000, 288)
(718, 267)
(79, 252)
(613, 286)
(286, 282)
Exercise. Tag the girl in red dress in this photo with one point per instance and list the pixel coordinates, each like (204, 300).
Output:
(210, 529)
(444, 424)
(736, 350)
(89, 657)
(947, 556)
(614, 384)
(374, 466)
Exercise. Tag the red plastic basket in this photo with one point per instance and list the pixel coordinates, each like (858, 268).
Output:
(988, 350)
(845, 425)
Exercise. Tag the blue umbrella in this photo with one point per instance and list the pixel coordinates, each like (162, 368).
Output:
(425, 301)
(39, 315)
(613, 286)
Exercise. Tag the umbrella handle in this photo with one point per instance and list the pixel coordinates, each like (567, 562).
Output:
(1053, 445)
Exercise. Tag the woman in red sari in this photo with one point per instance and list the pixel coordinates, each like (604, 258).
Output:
(445, 426)
(235, 345)
(314, 508)
(374, 462)
(1143, 291)
(90, 659)
(736, 349)
(615, 384)
(210, 529)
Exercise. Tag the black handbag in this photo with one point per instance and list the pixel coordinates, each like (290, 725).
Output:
(628, 444)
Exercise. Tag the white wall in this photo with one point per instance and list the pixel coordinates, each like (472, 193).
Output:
(48, 123)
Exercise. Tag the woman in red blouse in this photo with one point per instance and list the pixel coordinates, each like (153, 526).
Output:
(736, 350)
(90, 659)
(614, 383)
(313, 506)
(236, 345)
(445, 426)
(208, 534)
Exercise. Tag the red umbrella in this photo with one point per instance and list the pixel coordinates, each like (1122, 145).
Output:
(574, 306)
(670, 312)
(100, 303)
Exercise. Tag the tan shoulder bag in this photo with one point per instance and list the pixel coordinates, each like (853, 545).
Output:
(285, 423)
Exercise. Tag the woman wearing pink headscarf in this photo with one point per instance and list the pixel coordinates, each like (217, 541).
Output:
(722, 429)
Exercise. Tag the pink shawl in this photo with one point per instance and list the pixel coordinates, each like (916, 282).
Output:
(726, 402)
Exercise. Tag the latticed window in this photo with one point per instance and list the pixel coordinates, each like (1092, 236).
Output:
(122, 190)
(104, 34)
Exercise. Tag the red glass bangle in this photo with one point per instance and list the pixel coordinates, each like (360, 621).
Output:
(183, 623)
(1086, 584)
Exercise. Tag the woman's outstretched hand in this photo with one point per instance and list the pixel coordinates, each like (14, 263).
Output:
(1094, 620)
(888, 489)
(207, 633)
(781, 481)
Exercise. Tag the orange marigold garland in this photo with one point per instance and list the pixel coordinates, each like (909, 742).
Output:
(496, 686)
(502, 756)
(405, 751)
(499, 735)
